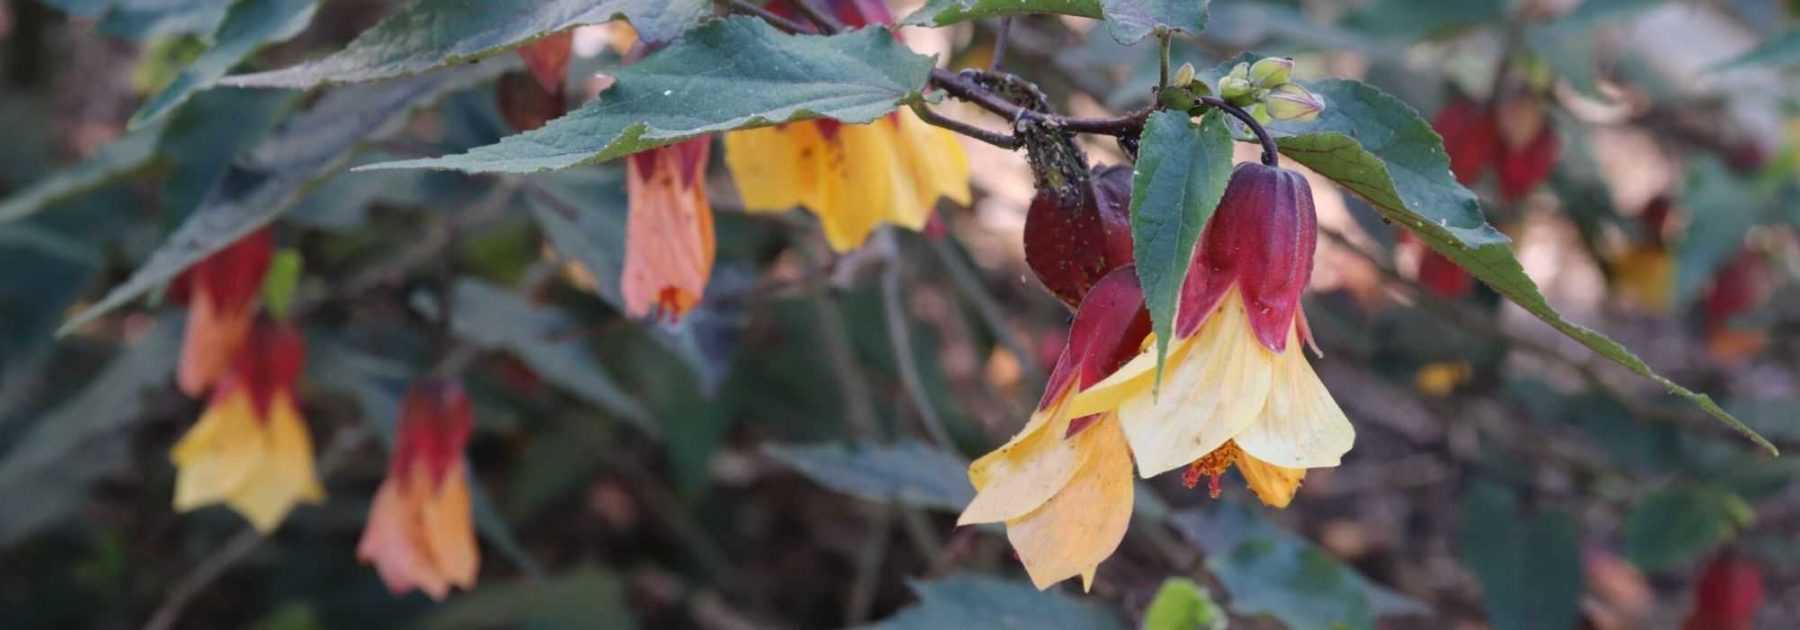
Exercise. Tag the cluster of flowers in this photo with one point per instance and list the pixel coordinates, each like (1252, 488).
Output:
(855, 178)
(1235, 390)
(252, 451)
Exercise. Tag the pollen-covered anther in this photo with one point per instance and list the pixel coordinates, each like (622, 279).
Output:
(1211, 465)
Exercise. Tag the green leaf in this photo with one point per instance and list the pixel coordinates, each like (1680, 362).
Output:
(1415, 19)
(585, 598)
(492, 317)
(1182, 604)
(1530, 569)
(248, 26)
(1779, 50)
(432, 34)
(908, 473)
(45, 472)
(1379, 148)
(115, 161)
(311, 146)
(204, 136)
(1131, 20)
(974, 601)
(1269, 571)
(141, 20)
(948, 12)
(280, 282)
(754, 76)
(1676, 525)
(1181, 173)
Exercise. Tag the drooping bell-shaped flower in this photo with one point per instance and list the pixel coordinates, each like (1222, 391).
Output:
(1237, 388)
(1740, 286)
(669, 244)
(1529, 146)
(529, 100)
(1728, 596)
(1515, 138)
(855, 178)
(1070, 248)
(419, 533)
(1063, 485)
(251, 449)
(222, 292)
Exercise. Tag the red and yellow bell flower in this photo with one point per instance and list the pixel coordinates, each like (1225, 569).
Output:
(419, 533)
(854, 177)
(251, 449)
(669, 244)
(1063, 485)
(222, 292)
(1236, 389)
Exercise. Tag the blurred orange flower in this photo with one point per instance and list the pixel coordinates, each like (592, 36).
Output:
(221, 292)
(669, 241)
(419, 533)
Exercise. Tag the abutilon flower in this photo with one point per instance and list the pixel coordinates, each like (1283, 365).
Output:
(1645, 272)
(1728, 596)
(251, 449)
(222, 292)
(1236, 389)
(1063, 485)
(1072, 248)
(854, 177)
(419, 533)
(669, 244)
(1437, 272)
(1515, 138)
(1741, 285)
(529, 100)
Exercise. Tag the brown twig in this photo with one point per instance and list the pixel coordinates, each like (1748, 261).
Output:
(1001, 140)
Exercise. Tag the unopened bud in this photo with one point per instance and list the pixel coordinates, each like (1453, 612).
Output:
(1234, 88)
(1184, 75)
(1292, 102)
(1177, 97)
(1271, 72)
(1260, 112)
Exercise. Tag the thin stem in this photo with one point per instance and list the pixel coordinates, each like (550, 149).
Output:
(1001, 140)
(1270, 151)
(746, 8)
(1163, 40)
(901, 337)
(827, 24)
(1000, 38)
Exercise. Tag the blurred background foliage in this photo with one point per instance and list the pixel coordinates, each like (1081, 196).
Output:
(791, 454)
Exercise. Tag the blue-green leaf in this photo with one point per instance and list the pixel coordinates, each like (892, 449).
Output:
(908, 473)
(973, 601)
(1181, 173)
(431, 34)
(755, 76)
(248, 25)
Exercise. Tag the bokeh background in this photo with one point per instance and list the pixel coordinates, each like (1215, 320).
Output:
(790, 455)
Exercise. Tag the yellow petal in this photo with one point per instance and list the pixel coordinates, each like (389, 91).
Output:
(864, 184)
(934, 158)
(775, 168)
(1300, 426)
(449, 534)
(284, 476)
(1210, 392)
(1273, 484)
(1130, 380)
(1021, 475)
(218, 453)
(1083, 524)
